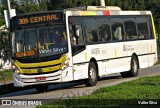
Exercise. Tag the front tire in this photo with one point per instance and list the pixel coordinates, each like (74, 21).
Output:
(92, 75)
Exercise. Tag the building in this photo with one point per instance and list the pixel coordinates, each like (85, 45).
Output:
(1, 2)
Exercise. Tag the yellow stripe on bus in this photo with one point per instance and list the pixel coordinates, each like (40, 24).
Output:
(36, 66)
(43, 70)
(115, 53)
(154, 31)
(151, 49)
(86, 57)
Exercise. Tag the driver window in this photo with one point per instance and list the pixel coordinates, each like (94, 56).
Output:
(79, 39)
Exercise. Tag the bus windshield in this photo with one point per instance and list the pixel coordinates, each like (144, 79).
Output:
(39, 41)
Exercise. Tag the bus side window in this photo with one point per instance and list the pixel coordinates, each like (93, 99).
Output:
(79, 38)
(150, 27)
(118, 33)
(142, 27)
(91, 30)
(103, 25)
(89, 37)
(130, 28)
(104, 32)
(117, 29)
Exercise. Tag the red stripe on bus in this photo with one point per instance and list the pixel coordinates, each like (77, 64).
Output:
(106, 13)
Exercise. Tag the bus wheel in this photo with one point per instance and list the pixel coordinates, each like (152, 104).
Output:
(134, 67)
(92, 75)
(41, 88)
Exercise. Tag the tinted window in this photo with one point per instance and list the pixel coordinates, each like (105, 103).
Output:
(142, 27)
(130, 28)
(104, 29)
(117, 29)
(91, 30)
(150, 29)
(30, 39)
(80, 39)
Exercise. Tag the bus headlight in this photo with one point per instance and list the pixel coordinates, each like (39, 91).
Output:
(15, 70)
(65, 64)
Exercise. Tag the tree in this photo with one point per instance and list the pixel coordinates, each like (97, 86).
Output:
(63, 4)
(2, 21)
(154, 7)
(42, 5)
(27, 7)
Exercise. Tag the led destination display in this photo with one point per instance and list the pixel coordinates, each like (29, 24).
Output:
(37, 18)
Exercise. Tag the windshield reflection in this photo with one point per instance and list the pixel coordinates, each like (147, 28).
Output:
(39, 42)
(52, 40)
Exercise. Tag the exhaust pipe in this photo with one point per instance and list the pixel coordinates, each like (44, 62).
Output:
(102, 2)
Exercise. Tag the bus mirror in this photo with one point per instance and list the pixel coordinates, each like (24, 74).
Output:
(77, 33)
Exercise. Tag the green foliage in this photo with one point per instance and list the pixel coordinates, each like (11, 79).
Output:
(27, 8)
(128, 93)
(5, 76)
(63, 4)
(2, 20)
(144, 88)
(42, 5)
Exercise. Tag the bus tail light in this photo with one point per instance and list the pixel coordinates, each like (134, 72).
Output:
(15, 70)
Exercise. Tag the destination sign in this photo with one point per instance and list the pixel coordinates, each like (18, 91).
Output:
(37, 18)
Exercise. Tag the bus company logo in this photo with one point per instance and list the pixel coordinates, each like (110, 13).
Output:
(39, 70)
(6, 102)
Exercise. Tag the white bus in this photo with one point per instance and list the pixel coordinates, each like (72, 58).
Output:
(82, 43)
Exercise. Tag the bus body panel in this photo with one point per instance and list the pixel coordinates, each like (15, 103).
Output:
(152, 49)
(118, 58)
(99, 53)
(80, 65)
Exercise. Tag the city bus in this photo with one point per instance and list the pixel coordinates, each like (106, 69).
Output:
(82, 43)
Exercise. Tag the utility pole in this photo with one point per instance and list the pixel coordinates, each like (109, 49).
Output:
(102, 2)
(9, 8)
(123, 4)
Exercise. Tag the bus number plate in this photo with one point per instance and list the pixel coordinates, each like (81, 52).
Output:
(43, 78)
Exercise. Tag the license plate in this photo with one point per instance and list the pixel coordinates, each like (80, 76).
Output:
(42, 78)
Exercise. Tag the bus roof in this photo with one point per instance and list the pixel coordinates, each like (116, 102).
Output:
(103, 10)
(108, 13)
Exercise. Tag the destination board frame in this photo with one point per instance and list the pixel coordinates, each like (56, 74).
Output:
(37, 18)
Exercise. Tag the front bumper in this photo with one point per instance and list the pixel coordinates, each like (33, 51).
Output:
(56, 77)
